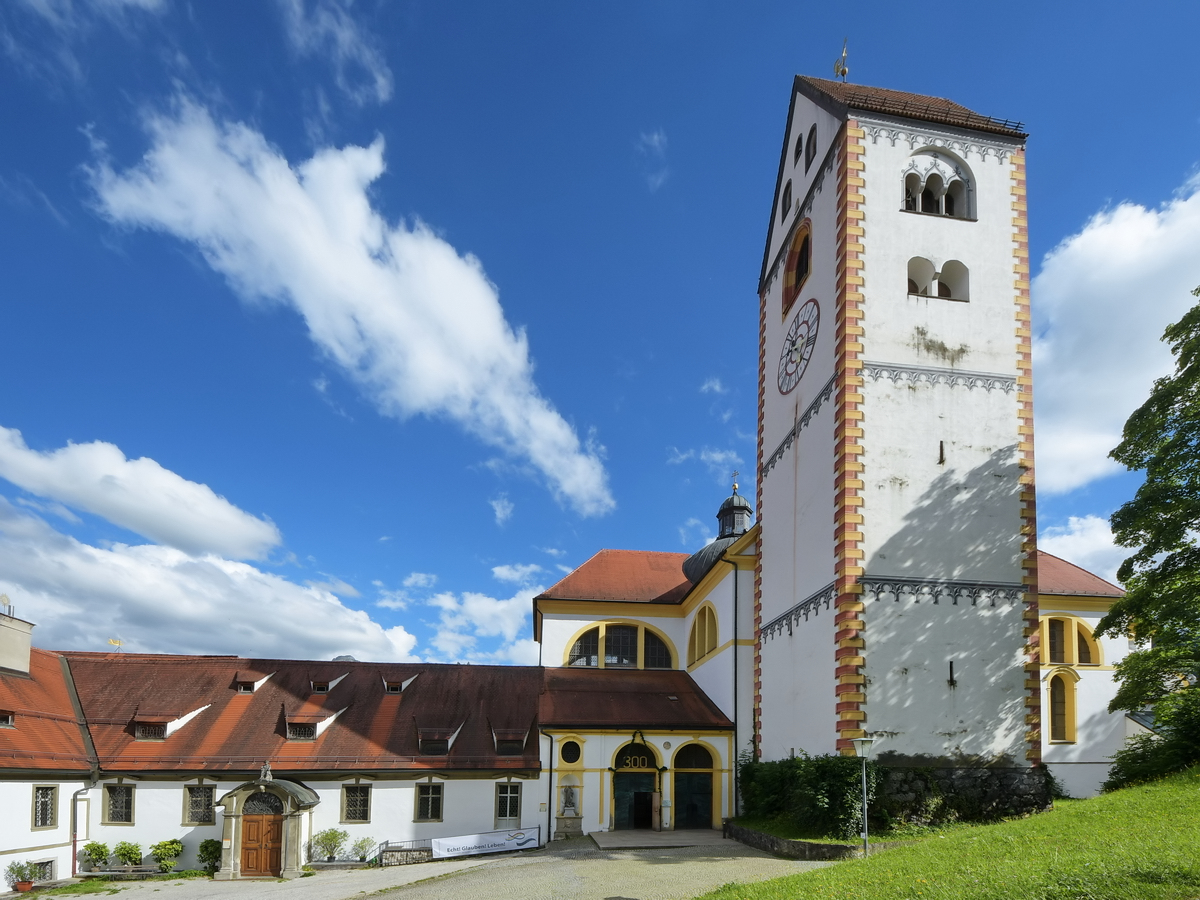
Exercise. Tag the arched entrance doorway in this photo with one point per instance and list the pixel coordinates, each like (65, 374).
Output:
(693, 787)
(635, 787)
(262, 828)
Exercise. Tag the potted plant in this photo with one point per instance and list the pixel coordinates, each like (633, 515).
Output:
(20, 875)
(360, 848)
(165, 853)
(128, 852)
(95, 854)
(329, 843)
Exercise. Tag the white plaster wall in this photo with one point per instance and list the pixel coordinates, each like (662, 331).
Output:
(714, 675)
(18, 840)
(985, 324)
(957, 519)
(1082, 766)
(805, 115)
(798, 679)
(157, 816)
(910, 704)
(559, 632)
(595, 799)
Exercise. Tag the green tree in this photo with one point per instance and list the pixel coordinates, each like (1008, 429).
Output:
(1161, 606)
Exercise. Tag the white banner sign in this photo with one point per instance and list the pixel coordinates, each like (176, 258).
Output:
(491, 842)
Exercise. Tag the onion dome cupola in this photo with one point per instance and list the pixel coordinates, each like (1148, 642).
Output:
(734, 518)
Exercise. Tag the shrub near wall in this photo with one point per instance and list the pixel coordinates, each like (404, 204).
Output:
(822, 795)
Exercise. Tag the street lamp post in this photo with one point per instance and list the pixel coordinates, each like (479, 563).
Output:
(862, 748)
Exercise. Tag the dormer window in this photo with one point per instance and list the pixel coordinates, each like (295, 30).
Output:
(435, 747)
(320, 687)
(150, 731)
(510, 748)
(245, 687)
(7, 719)
(393, 687)
(301, 731)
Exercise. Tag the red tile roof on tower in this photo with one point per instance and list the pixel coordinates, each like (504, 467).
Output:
(45, 734)
(366, 726)
(626, 698)
(1057, 576)
(910, 106)
(630, 576)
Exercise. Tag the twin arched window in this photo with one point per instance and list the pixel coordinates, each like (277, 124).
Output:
(951, 283)
(703, 639)
(621, 645)
(798, 265)
(938, 184)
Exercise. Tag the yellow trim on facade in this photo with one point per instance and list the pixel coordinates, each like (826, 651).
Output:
(1074, 603)
(606, 609)
(676, 659)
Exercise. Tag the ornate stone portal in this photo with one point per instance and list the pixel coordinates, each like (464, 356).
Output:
(270, 799)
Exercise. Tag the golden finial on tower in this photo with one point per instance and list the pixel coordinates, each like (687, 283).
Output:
(839, 65)
(736, 473)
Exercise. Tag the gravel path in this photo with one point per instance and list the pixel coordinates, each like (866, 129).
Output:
(569, 870)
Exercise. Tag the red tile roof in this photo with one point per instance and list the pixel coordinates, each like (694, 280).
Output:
(1057, 576)
(238, 732)
(910, 106)
(46, 734)
(631, 576)
(626, 698)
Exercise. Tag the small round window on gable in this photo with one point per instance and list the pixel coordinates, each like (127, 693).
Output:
(570, 752)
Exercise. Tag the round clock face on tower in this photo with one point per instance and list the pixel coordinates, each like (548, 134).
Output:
(798, 346)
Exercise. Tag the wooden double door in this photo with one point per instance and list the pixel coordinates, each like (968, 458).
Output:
(262, 845)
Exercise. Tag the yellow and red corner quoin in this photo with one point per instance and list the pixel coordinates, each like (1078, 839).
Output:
(848, 431)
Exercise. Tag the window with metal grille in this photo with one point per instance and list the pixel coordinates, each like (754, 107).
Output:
(586, 651)
(429, 802)
(1058, 709)
(655, 654)
(693, 756)
(301, 731)
(150, 731)
(43, 871)
(508, 801)
(45, 807)
(119, 800)
(358, 802)
(620, 646)
(1084, 649)
(200, 804)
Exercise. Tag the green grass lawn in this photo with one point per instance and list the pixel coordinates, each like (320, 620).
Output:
(1141, 843)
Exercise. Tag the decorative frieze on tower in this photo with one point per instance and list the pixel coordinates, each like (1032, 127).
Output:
(896, 584)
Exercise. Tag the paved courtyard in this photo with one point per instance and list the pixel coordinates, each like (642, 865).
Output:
(568, 870)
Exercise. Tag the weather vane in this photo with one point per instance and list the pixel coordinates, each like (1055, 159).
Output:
(839, 65)
(116, 642)
(734, 477)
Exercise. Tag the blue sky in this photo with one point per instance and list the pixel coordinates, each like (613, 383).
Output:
(338, 327)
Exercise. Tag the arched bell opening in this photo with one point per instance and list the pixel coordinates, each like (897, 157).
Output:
(263, 829)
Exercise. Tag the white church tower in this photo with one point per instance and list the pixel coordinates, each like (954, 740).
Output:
(896, 591)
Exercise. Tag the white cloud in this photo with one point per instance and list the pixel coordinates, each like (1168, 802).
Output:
(465, 618)
(329, 30)
(516, 574)
(1087, 542)
(553, 551)
(161, 600)
(720, 462)
(66, 14)
(418, 326)
(675, 456)
(1100, 304)
(503, 508)
(420, 580)
(713, 386)
(694, 534)
(334, 585)
(653, 147)
(137, 494)
(566, 570)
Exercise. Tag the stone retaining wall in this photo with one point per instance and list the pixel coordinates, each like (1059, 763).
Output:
(791, 849)
(936, 794)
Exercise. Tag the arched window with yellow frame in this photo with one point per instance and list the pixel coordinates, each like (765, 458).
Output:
(798, 265)
(703, 638)
(620, 645)
(1060, 694)
(1068, 641)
